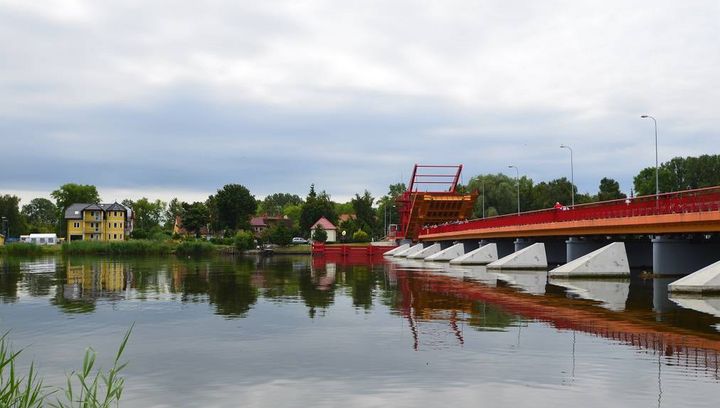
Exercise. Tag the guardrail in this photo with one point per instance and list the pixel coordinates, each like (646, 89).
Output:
(688, 201)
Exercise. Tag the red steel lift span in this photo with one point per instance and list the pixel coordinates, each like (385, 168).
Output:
(432, 198)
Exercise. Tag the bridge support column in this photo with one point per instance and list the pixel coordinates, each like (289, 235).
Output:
(470, 245)
(683, 255)
(639, 252)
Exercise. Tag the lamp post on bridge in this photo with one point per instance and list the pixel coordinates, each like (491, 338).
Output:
(657, 172)
(572, 175)
(517, 181)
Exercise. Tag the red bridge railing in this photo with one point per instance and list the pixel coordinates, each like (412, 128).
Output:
(688, 201)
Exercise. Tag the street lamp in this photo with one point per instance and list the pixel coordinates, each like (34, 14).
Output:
(572, 175)
(517, 180)
(657, 177)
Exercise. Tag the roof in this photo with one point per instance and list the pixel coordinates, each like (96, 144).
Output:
(74, 211)
(346, 217)
(257, 222)
(113, 207)
(324, 223)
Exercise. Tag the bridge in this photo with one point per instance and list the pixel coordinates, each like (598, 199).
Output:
(671, 234)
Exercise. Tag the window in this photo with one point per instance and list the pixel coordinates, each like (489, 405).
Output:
(108, 236)
(115, 236)
(51, 240)
(115, 225)
(42, 240)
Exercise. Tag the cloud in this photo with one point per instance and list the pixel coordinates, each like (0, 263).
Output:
(161, 97)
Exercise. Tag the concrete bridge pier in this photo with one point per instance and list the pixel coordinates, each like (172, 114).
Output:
(576, 247)
(639, 250)
(505, 247)
(555, 248)
(682, 255)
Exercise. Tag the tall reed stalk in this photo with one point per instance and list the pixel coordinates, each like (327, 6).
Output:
(87, 388)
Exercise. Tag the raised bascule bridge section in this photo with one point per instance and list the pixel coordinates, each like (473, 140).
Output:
(669, 234)
(432, 198)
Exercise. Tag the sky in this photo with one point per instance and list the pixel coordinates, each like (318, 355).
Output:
(168, 99)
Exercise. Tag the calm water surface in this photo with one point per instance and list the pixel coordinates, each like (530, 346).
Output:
(293, 331)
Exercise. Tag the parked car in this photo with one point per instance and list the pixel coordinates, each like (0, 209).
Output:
(299, 240)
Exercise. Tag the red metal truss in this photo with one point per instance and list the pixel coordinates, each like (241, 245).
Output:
(432, 198)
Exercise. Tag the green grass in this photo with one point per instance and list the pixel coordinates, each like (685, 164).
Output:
(24, 249)
(294, 249)
(87, 388)
(131, 247)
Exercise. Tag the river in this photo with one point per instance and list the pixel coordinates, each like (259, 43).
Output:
(289, 331)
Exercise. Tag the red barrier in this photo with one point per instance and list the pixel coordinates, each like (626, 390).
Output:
(689, 201)
(322, 249)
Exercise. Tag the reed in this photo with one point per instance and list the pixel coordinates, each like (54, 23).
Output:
(132, 247)
(87, 388)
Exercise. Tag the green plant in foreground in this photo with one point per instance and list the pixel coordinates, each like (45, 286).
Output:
(84, 389)
(16, 392)
(98, 390)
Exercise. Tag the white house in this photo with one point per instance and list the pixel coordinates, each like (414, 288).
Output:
(327, 226)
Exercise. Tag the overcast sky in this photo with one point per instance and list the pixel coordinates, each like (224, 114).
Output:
(170, 98)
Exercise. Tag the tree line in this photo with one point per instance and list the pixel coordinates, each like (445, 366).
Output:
(364, 217)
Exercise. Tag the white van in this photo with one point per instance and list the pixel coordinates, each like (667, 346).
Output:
(40, 239)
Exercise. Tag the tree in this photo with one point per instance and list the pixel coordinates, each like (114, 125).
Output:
(609, 189)
(546, 194)
(235, 206)
(280, 234)
(319, 234)
(680, 174)
(364, 212)
(72, 193)
(275, 204)
(316, 206)
(148, 216)
(293, 212)
(387, 207)
(500, 194)
(9, 209)
(244, 240)
(174, 209)
(41, 215)
(195, 216)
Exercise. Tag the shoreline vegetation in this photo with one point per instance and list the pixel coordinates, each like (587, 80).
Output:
(87, 388)
(138, 247)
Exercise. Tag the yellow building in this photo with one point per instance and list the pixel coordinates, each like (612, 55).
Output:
(97, 222)
(2, 239)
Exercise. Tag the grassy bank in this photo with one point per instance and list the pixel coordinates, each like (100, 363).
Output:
(294, 249)
(132, 247)
(25, 249)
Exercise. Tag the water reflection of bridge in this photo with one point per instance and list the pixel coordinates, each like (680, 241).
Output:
(677, 346)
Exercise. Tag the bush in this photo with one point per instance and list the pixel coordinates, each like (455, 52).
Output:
(361, 236)
(319, 234)
(195, 248)
(244, 240)
(222, 240)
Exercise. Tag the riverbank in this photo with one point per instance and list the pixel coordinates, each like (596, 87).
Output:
(138, 247)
